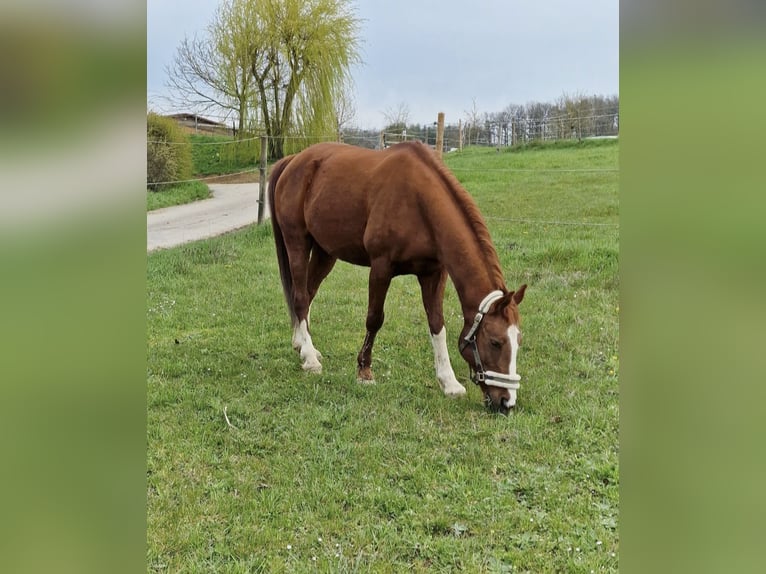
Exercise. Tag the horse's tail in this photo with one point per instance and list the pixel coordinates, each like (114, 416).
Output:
(279, 240)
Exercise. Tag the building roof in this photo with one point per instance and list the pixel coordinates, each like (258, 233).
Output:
(195, 118)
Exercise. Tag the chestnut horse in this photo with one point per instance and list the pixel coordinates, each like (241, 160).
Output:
(398, 211)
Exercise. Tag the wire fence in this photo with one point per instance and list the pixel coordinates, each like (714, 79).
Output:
(525, 123)
(553, 222)
(206, 178)
(253, 143)
(516, 126)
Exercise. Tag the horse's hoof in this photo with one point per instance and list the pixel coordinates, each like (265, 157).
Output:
(314, 368)
(455, 392)
(364, 376)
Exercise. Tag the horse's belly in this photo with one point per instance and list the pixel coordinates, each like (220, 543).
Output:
(351, 254)
(338, 227)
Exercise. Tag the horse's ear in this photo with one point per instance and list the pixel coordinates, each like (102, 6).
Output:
(505, 301)
(518, 295)
(512, 296)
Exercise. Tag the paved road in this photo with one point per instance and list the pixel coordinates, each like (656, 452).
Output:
(232, 206)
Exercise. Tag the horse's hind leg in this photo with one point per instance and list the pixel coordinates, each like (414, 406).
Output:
(320, 265)
(299, 268)
(432, 289)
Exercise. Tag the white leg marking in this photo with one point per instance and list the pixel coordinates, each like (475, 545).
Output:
(308, 326)
(513, 336)
(444, 372)
(296, 340)
(309, 355)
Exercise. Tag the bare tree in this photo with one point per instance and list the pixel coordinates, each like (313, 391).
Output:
(573, 113)
(501, 122)
(345, 111)
(571, 116)
(397, 116)
(214, 71)
(473, 122)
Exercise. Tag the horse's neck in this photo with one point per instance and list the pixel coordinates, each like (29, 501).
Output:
(471, 264)
(472, 288)
(471, 274)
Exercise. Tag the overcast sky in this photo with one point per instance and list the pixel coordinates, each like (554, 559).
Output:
(440, 55)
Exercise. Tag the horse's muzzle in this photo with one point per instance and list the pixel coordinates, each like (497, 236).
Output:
(502, 407)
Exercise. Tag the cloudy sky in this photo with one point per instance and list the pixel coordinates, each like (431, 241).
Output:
(440, 55)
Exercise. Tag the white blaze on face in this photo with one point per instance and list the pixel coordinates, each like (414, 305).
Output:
(513, 335)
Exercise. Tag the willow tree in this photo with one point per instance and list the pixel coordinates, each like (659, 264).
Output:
(231, 33)
(300, 54)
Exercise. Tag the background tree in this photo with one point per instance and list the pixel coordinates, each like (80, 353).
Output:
(300, 52)
(397, 117)
(472, 123)
(279, 65)
(168, 155)
(232, 33)
(574, 113)
(345, 111)
(212, 72)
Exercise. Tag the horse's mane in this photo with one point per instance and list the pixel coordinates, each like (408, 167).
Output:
(469, 208)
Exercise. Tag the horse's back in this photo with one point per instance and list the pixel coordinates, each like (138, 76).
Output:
(354, 201)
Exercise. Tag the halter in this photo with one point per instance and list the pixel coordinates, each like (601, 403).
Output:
(480, 375)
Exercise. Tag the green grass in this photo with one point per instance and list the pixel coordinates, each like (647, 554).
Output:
(211, 155)
(321, 474)
(216, 155)
(176, 195)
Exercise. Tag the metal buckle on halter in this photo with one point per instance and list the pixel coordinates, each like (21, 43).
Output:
(494, 379)
(476, 322)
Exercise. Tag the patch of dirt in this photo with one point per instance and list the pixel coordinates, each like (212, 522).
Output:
(249, 177)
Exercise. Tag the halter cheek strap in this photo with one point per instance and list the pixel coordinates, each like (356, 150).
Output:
(489, 378)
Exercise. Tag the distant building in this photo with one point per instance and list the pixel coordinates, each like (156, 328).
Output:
(192, 123)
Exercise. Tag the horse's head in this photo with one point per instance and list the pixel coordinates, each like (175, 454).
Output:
(491, 348)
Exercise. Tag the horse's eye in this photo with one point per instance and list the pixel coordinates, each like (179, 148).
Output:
(495, 343)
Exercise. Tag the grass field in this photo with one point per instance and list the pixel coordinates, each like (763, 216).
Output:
(320, 474)
(215, 155)
(176, 195)
(211, 156)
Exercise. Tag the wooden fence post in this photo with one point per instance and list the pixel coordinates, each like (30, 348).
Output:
(382, 140)
(440, 134)
(460, 134)
(262, 185)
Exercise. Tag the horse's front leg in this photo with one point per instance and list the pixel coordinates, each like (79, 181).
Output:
(432, 289)
(380, 280)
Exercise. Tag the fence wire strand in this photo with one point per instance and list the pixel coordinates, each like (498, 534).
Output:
(350, 137)
(206, 178)
(549, 222)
